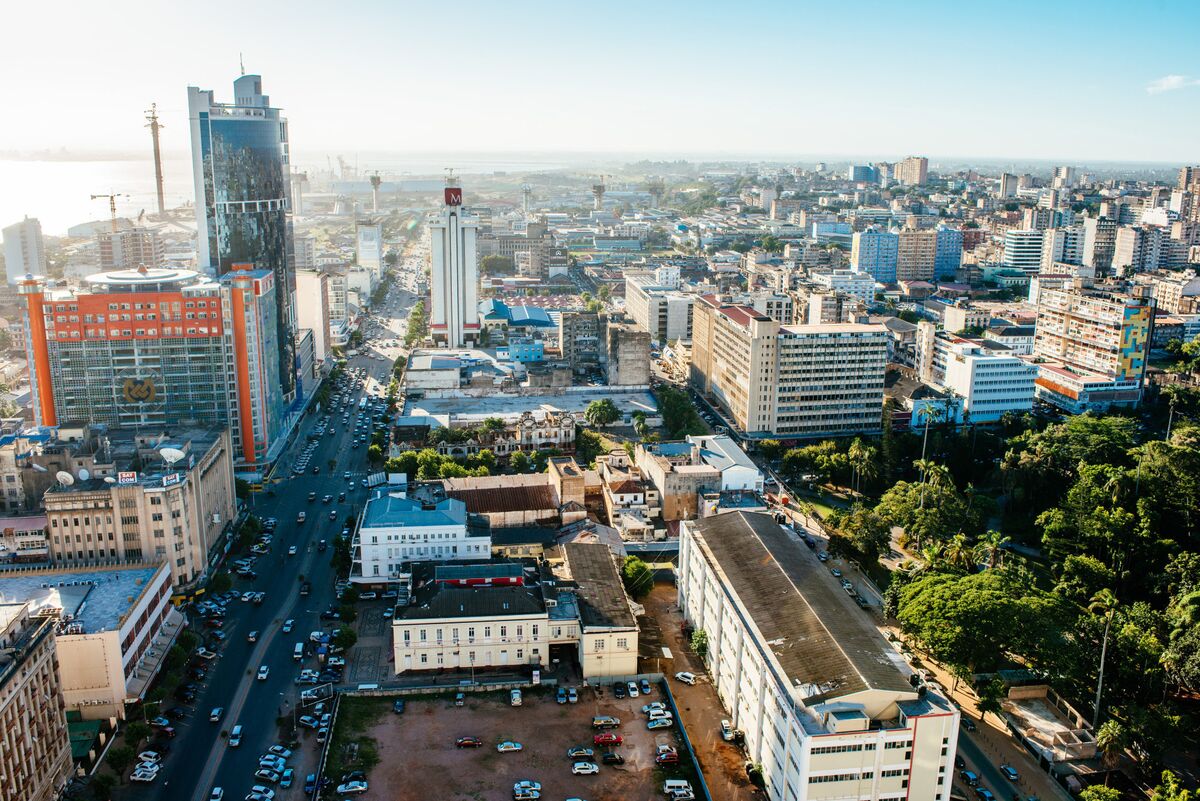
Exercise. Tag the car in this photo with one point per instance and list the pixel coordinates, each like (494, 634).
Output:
(217, 794)
(333, 514)
(267, 775)
(459, 699)
(644, 686)
(271, 762)
(216, 714)
(653, 705)
(659, 714)
(252, 637)
(307, 721)
(288, 625)
(280, 751)
(580, 752)
(341, 497)
(608, 738)
(983, 794)
(316, 469)
(263, 792)
(310, 783)
(219, 636)
(849, 588)
(561, 695)
(292, 551)
(367, 596)
(153, 757)
(398, 706)
(1010, 772)
(726, 731)
(263, 672)
(160, 722)
(821, 555)
(633, 689)
(660, 723)
(468, 742)
(346, 475)
(612, 758)
(618, 691)
(959, 762)
(836, 572)
(585, 768)
(969, 778)
(572, 695)
(176, 713)
(508, 745)
(352, 788)
(968, 724)
(312, 496)
(685, 677)
(140, 775)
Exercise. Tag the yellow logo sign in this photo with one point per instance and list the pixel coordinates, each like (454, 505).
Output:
(134, 391)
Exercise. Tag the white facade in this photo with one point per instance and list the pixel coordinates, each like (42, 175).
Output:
(454, 274)
(395, 529)
(368, 236)
(312, 309)
(849, 282)
(24, 250)
(738, 471)
(339, 310)
(1023, 251)
(990, 384)
(662, 310)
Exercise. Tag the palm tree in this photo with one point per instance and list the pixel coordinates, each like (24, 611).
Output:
(1102, 603)
(932, 557)
(1110, 742)
(991, 547)
(959, 552)
(639, 424)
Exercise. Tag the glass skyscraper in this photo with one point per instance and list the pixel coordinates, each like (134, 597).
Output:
(242, 174)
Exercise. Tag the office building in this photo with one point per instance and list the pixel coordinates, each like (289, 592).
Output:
(498, 615)
(1093, 345)
(827, 708)
(1008, 185)
(852, 283)
(1064, 178)
(454, 274)
(789, 381)
(242, 177)
(990, 379)
(1023, 251)
(1061, 246)
(916, 254)
(1099, 242)
(306, 253)
(875, 252)
(24, 250)
(659, 307)
(35, 751)
(913, 171)
(129, 248)
(1146, 248)
(862, 173)
(156, 508)
(581, 340)
(312, 310)
(627, 355)
(368, 247)
(948, 252)
(339, 309)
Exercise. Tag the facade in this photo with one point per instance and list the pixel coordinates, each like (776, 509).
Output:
(1023, 251)
(1093, 345)
(916, 254)
(913, 171)
(988, 379)
(454, 274)
(738, 471)
(172, 512)
(627, 354)
(679, 476)
(1099, 243)
(1146, 248)
(312, 310)
(875, 252)
(826, 706)
(948, 254)
(113, 626)
(395, 529)
(661, 309)
(582, 339)
(129, 248)
(368, 247)
(859, 285)
(242, 176)
(35, 752)
(24, 250)
(339, 309)
(789, 381)
(306, 253)
(1061, 246)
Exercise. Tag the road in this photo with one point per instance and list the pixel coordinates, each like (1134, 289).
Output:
(199, 758)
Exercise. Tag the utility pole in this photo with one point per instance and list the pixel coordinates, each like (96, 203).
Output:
(154, 125)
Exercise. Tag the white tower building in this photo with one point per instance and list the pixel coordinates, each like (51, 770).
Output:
(454, 274)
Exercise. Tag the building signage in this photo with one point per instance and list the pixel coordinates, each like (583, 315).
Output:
(171, 478)
(135, 391)
(453, 196)
(127, 477)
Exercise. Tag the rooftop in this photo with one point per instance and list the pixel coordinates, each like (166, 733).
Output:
(96, 600)
(492, 500)
(446, 601)
(801, 615)
(722, 453)
(601, 594)
(393, 509)
(469, 410)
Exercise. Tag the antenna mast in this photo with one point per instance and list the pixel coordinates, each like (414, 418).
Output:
(154, 125)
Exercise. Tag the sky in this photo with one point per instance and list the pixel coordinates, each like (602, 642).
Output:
(1068, 80)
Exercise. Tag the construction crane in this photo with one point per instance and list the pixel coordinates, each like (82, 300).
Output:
(155, 126)
(112, 205)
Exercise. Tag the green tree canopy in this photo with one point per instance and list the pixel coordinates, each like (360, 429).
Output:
(602, 412)
(637, 577)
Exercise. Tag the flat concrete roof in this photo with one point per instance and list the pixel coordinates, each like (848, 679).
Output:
(94, 599)
(511, 407)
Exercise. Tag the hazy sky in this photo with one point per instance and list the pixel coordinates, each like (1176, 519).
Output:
(1073, 79)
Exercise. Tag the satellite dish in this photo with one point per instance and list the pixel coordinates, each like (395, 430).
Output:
(171, 455)
(39, 468)
(64, 478)
(109, 480)
(84, 474)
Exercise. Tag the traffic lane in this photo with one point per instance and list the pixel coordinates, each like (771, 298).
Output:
(987, 770)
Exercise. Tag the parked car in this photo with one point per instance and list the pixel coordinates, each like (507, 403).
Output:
(352, 788)
(398, 706)
(726, 731)
(612, 758)
(660, 723)
(585, 768)
(572, 695)
(468, 742)
(645, 687)
(633, 689)
(508, 745)
(607, 738)
(561, 695)
(685, 677)
(1010, 773)
(580, 752)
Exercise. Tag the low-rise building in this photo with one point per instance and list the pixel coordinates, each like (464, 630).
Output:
(826, 705)
(675, 470)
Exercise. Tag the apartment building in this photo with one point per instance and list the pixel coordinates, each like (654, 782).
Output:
(129, 248)
(1092, 344)
(1174, 293)
(990, 380)
(312, 309)
(826, 705)
(581, 338)
(948, 254)
(916, 254)
(144, 506)
(1145, 248)
(1023, 251)
(679, 476)
(1061, 246)
(788, 381)
(35, 752)
(503, 615)
(913, 171)
(875, 252)
(627, 354)
(856, 284)
(1099, 242)
(662, 310)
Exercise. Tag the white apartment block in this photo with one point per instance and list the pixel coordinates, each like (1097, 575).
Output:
(660, 309)
(826, 705)
(1023, 250)
(856, 284)
(1061, 246)
(986, 375)
(789, 381)
(312, 309)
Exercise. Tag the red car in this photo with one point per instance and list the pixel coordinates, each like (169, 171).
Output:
(668, 758)
(608, 738)
(468, 742)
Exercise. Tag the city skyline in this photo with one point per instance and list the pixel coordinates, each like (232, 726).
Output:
(841, 83)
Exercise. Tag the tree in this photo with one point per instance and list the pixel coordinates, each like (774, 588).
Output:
(1170, 789)
(990, 547)
(241, 488)
(990, 697)
(699, 643)
(1100, 792)
(345, 638)
(600, 413)
(771, 449)
(496, 265)
(637, 577)
(120, 757)
(220, 582)
(864, 531)
(102, 786)
(136, 731)
(374, 454)
(639, 424)
(1103, 604)
(1110, 742)
(519, 462)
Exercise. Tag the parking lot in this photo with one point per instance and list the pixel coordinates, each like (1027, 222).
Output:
(421, 759)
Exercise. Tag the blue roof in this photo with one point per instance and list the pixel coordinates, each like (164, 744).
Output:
(390, 511)
(493, 309)
(530, 315)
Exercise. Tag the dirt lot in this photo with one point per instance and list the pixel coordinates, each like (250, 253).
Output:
(420, 761)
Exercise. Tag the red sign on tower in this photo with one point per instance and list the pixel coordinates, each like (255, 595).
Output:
(453, 196)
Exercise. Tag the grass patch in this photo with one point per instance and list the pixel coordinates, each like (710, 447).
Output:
(351, 748)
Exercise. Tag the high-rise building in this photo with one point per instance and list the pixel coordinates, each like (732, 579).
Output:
(1061, 246)
(312, 309)
(1064, 178)
(874, 252)
(581, 339)
(659, 307)
(129, 248)
(789, 381)
(948, 255)
(24, 250)
(1023, 250)
(627, 350)
(1093, 345)
(913, 171)
(1189, 179)
(1008, 185)
(1099, 242)
(242, 176)
(368, 246)
(454, 274)
(1146, 248)
(916, 254)
(306, 253)
(35, 751)
(862, 173)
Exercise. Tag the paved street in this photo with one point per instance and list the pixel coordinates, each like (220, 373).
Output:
(199, 758)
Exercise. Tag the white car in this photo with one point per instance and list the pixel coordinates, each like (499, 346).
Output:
(153, 757)
(579, 769)
(288, 625)
(263, 672)
(217, 794)
(508, 745)
(140, 775)
(633, 689)
(352, 787)
(292, 551)
(685, 677)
